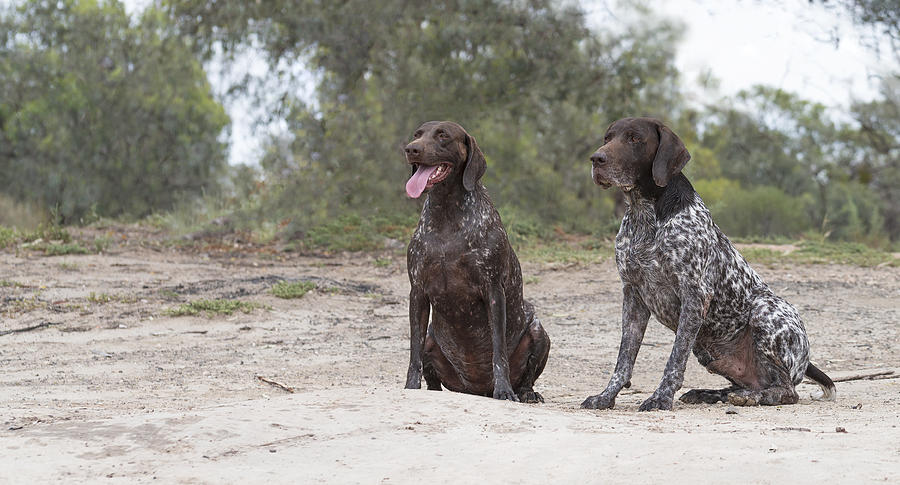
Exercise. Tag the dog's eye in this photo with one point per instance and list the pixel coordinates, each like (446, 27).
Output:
(443, 135)
(634, 139)
(417, 134)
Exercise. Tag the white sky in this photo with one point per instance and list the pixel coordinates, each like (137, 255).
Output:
(785, 44)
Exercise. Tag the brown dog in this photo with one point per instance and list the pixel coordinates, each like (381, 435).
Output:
(484, 337)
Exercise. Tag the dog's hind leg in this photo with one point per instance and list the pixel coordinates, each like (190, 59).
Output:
(533, 349)
(435, 363)
(707, 396)
(781, 353)
(770, 396)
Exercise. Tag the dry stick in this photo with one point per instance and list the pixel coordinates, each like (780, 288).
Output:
(28, 329)
(276, 384)
(866, 376)
(891, 376)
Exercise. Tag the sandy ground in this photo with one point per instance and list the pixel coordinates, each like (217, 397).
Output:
(111, 389)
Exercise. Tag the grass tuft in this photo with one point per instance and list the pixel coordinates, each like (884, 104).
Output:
(213, 307)
(284, 289)
(53, 249)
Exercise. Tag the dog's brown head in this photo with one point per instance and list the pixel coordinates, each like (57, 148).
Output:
(638, 151)
(442, 152)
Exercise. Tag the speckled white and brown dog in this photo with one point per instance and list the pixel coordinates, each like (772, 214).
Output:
(676, 265)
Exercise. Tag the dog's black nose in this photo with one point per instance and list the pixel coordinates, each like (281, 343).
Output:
(598, 158)
(412, 151)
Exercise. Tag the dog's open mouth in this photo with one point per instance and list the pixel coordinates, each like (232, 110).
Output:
(425, 176)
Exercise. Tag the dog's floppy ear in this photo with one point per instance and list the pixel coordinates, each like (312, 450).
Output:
(475, 164)
(671, 156)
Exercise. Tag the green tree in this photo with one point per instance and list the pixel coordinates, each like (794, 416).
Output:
(101, 114)
(529, 80)
(877, 161)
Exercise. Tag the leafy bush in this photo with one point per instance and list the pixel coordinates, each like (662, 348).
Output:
(853, 214)
(111, 117)
(761, 211)
(8, 236)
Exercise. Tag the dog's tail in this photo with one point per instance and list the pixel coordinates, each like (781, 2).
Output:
(825, 382)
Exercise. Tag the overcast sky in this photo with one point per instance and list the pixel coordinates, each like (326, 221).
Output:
(786, 44)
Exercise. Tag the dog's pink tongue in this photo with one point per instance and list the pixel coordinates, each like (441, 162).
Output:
(419, 180)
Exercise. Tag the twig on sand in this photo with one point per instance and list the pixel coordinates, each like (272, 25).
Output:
(866, 376)
(277, 384)
(28, 329)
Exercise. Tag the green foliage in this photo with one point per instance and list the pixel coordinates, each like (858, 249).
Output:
(529, 80)
(103, 298)
(583, 251)
(104, 115)
(762, 211)
(877, 161)
(19, 214)
(353, 232)
(766, 136)
(48, 232)
(99, 298)
(51, 239)
(285, 289)
(813, 252)
(53, 249)
(853, 214)
(521, 226)
(99, 116)
(8, 237)
(212, 308)
(839, 179)
(715, 192)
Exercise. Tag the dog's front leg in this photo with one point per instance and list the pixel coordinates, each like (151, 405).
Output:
(635, 316)
(500, 359)
(689, 322)
(418, 325)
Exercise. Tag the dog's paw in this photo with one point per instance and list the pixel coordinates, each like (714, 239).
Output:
(655, 402)
(530, 396)
(743, 399)
(505, 395)
(599, 401)
(414, 377)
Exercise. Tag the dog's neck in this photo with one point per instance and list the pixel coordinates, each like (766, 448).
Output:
(664, 201)
(449, 205)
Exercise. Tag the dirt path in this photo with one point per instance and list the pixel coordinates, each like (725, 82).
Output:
(109, 385)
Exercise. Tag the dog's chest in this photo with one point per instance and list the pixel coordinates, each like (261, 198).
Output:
(641, 264)
(445, 267)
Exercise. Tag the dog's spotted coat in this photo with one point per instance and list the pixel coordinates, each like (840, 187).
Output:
(676, 265)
